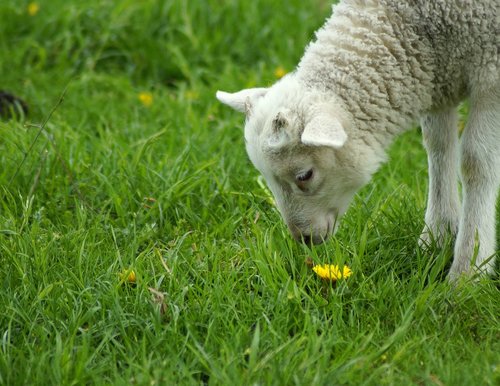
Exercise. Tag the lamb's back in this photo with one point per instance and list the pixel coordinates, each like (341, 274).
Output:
(464, 41)
(385, 57)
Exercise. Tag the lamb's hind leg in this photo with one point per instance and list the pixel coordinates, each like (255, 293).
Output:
(440, 132)
(475, 246)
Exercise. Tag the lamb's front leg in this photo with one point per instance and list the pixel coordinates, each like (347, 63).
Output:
(475, 246)
(440, 133)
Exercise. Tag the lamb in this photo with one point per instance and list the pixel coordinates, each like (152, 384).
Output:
(375, 68)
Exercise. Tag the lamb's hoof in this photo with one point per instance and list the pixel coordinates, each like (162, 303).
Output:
(436, 237)
(429, 240)
(425, 240)
(461, 270)
(457, 274)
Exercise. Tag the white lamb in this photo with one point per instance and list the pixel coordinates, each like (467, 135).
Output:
(375, 68)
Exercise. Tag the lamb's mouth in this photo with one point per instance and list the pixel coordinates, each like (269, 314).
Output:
(317, 239)
(308, 237)
(314, 239)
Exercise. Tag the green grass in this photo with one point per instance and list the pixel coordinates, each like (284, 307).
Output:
(223, 295)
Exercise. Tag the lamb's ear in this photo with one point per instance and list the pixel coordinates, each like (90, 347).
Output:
(324, 130)
(242, 101)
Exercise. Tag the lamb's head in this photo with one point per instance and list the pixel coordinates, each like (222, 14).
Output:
(298, 141)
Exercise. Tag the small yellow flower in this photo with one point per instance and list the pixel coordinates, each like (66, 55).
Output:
(131, 277)
(332, 272)
(33, 8)
(279, 72)
(128, 276)
(146, 98)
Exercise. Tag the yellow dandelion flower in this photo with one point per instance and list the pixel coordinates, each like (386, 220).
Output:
(146, 98)
(33, 9)
(128, 276)
(279, 72)
(332, 272)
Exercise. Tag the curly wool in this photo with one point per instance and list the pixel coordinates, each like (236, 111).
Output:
(392, 61)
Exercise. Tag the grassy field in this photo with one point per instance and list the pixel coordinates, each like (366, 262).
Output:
(127, 164)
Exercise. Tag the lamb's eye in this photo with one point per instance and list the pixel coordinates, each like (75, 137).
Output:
(305, 176)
